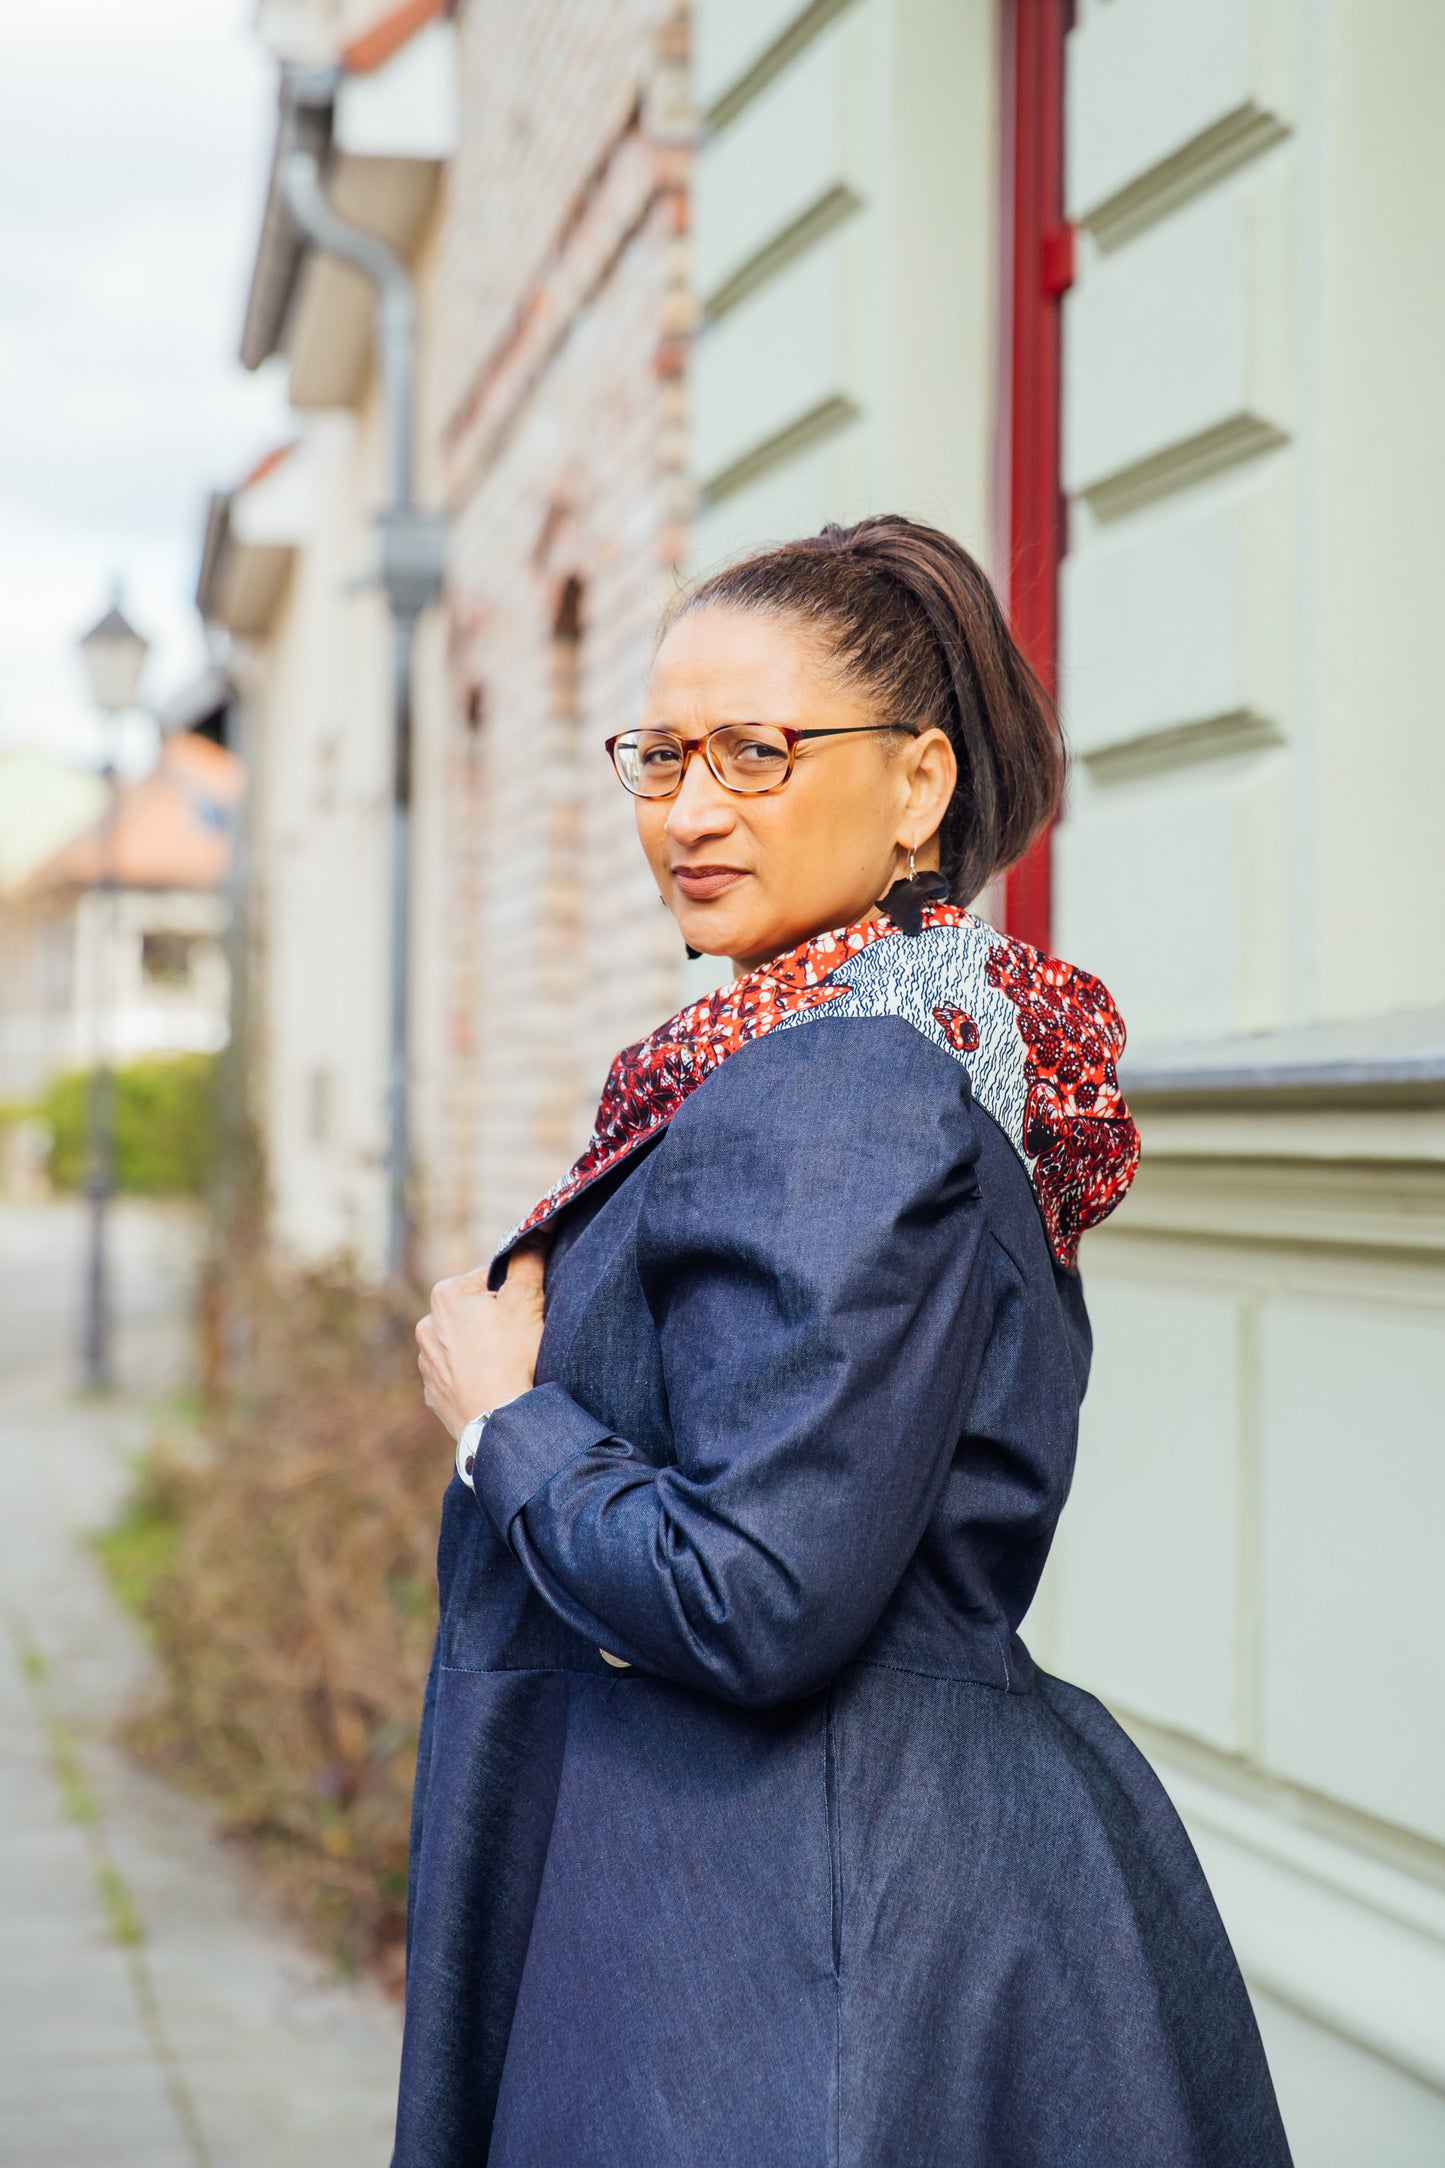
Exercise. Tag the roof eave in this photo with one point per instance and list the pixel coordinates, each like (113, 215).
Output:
(303, 123)
(213, 552)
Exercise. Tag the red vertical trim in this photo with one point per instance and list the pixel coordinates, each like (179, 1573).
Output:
(1039, 269)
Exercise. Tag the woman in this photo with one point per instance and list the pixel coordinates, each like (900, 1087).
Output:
(746, 1831)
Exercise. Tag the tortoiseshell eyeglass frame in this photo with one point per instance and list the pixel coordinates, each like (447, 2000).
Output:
(688, 746)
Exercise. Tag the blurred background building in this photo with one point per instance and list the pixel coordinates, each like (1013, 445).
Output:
(147, 964)
(528, 167)
(1136, 299)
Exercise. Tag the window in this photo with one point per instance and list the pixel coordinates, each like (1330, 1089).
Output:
(166, 958)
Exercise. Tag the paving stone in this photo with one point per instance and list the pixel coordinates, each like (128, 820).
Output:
(219, 2040)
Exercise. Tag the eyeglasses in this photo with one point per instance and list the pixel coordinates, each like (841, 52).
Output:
(749, 758)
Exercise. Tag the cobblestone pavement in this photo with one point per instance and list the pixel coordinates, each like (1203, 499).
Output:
(153, 2012)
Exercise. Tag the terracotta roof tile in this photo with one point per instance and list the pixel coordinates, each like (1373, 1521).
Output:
(173, 829)
(266, 465)
(375, 46)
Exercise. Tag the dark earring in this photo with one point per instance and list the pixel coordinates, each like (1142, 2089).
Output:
(905, 899)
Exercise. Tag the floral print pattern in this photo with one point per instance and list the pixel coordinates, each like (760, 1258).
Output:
(1078, 1134)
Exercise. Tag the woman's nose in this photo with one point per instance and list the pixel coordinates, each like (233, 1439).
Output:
(701, 807)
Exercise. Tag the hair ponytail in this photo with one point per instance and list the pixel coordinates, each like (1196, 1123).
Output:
(907, 616)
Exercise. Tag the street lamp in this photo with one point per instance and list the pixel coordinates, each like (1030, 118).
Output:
(114, 654)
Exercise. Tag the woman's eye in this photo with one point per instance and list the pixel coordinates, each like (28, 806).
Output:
(659, 756)
(758, 753)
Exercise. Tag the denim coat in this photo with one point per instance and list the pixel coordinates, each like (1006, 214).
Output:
(830, 1875)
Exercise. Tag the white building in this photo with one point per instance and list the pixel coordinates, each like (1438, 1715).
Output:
(44, 804)
(289, 570)
(90, 971)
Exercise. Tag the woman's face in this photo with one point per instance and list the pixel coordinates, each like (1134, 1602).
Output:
(750, 877)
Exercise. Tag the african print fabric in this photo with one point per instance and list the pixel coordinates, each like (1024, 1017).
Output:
(1040, 1040)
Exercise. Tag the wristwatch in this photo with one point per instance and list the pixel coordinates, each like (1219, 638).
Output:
(467, 1445)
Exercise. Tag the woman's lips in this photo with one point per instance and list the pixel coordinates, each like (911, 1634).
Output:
(701, 883)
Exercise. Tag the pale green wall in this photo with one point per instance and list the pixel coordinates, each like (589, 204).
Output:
(1255, 452)
(844, 242)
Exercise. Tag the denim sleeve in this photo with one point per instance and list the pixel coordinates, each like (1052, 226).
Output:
(809, 1248)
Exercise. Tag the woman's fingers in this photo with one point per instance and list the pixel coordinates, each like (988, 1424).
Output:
(476, 1350)
(525, 1275)
(522, 1291)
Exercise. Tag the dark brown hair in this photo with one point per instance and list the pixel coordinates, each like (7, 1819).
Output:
(906, 615)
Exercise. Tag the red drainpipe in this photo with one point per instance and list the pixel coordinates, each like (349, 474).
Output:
(1039, 269)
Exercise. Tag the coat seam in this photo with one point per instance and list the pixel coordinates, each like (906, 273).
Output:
(945, 1678)
(830, 1814)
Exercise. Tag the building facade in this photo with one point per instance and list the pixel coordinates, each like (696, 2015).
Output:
(563, 329)
(113, 947)
(1249, 453)
(529, 168)
(290, 571)
(1132, 298)
(1252, 457)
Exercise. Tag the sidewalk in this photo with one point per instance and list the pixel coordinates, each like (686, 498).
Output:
(153, 2013)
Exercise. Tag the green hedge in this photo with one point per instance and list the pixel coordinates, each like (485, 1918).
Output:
(165, 1125)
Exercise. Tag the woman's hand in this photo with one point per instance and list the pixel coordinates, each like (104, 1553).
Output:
(475, 1349)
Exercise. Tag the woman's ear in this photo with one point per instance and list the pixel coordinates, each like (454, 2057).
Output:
(932, 780)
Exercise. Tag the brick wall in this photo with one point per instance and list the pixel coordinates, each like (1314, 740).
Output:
(561, 326)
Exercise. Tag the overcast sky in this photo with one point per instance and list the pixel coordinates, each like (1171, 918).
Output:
(134, 137)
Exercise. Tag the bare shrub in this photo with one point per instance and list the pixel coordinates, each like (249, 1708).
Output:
(292, 1605)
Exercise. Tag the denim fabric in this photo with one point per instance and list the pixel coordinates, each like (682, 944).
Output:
(831, 1875)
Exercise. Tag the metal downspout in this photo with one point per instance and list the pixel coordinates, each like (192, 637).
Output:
(411, 573)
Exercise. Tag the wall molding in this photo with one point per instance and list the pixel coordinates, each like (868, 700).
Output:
(820, 422)
(1394, 1060)
(1283, 1203)
(1353, 1942)
(1180, 745)
(1411, 1136)
(771, 62)
(1233, 141)
(1179, 466)
(822, 217)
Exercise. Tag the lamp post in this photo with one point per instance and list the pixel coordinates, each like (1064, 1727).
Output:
(114, 654)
